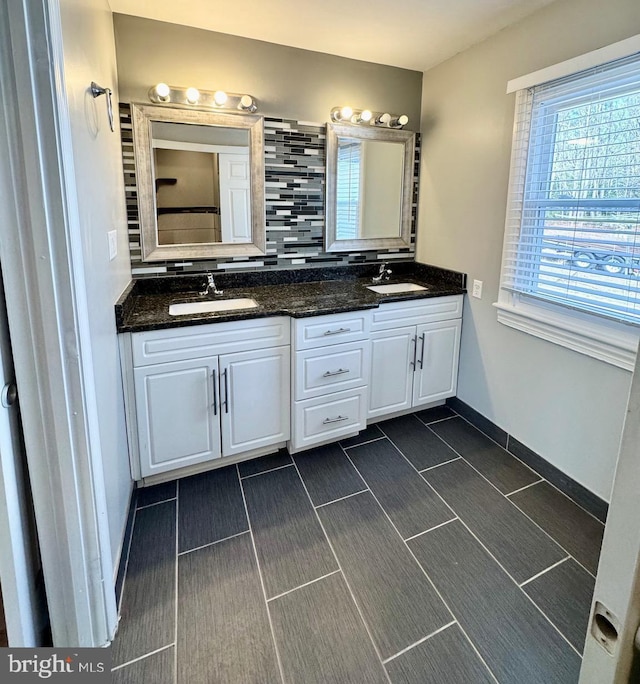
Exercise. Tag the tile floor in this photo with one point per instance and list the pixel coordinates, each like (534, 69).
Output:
(418, 552)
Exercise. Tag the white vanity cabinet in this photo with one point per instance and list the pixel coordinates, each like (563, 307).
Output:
(199, 393)
(415, 346)
(330, 377)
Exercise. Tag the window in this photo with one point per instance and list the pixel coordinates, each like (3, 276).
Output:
(572, 237)
(349, 187)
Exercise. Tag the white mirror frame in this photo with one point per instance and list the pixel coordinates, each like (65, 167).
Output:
(141, 117)
(408, 139)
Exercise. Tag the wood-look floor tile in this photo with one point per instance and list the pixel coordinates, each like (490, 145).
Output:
(417, 442)
(512, 636)
(410, 502)
(145, 496)
(573, 528)
(497, 465)
(148, 600)
(445, 658)
(322, 638)
(291, 545)
(223, 625)
(210, 508)
(522, 548)
(328, 474)
(371, 432)
(436, 413)
(154, 669)
(264, 463)
(564, 594)
(397, 601)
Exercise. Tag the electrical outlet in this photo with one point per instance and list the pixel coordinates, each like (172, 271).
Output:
(113, 244)
(477, 289)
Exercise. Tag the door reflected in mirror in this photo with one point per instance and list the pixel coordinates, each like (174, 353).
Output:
(200, 183)
(369, 188)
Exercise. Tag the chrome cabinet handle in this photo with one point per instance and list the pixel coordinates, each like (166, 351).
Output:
(337, 331)
(414, 340)
(226, 390)
(422, 337)
(339, 419)
(215, 393)
(330, 374)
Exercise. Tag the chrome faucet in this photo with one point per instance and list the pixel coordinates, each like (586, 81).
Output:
(210, 287)
(383, 274)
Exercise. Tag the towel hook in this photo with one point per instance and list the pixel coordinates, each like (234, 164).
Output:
(96, 91)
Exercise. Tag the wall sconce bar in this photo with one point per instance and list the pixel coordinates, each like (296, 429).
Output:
(366, 117)
(206, 99)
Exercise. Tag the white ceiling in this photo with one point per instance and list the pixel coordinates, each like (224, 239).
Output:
(414, 34)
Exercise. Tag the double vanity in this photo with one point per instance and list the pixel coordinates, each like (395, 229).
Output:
(279, 359)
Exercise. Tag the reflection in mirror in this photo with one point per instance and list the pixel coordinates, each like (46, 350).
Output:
(200, 183)
(369, 186)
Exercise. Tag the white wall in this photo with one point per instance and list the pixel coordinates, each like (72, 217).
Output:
(89, 55)
(567, 407)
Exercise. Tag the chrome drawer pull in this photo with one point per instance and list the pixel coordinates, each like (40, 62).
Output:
(339, 419)
(330, 374)
(337, 331)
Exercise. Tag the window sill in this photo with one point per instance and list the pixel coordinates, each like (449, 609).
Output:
(608, 341)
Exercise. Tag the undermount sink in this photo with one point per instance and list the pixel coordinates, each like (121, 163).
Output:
(212, 306)
(395, 288)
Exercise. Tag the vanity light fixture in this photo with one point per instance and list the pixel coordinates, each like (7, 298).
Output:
(367, 117)
(220, 98)
(193, 95)
(162, 91)
(205, 99)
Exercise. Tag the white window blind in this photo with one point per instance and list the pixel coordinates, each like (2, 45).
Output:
(573, 218)
(348, 188)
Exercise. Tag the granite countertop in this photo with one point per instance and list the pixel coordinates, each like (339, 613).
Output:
(298, 293)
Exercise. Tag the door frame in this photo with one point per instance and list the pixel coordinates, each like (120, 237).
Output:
(618, 579)
(42, 265)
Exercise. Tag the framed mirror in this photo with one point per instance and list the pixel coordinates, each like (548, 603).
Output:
(369, 187)
(200, 183)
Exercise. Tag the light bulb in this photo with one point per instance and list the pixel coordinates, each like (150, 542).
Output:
(403, 120)
(383, 118)
(193, 95)
(366, 115)
(162, 91)
(220, 97)
(346, 113)
(246, 102)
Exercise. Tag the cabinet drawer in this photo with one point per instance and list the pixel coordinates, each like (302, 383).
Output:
(328, 418)
(416, 312)
(192, 342)
(321, 331)
(331, 369)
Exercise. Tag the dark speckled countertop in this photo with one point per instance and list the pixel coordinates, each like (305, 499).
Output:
(144, 305)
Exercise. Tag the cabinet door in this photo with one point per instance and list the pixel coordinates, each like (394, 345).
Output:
(436, 375)
(176, 408)
(391, 377)
(255, 395)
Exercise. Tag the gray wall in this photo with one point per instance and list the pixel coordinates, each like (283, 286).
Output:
(566, 406)
(288, 82)
(89, 54)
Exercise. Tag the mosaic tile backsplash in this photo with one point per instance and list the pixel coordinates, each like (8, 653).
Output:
(294, 206)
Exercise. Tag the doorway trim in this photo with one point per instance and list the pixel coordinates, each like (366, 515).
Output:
(42, 264)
